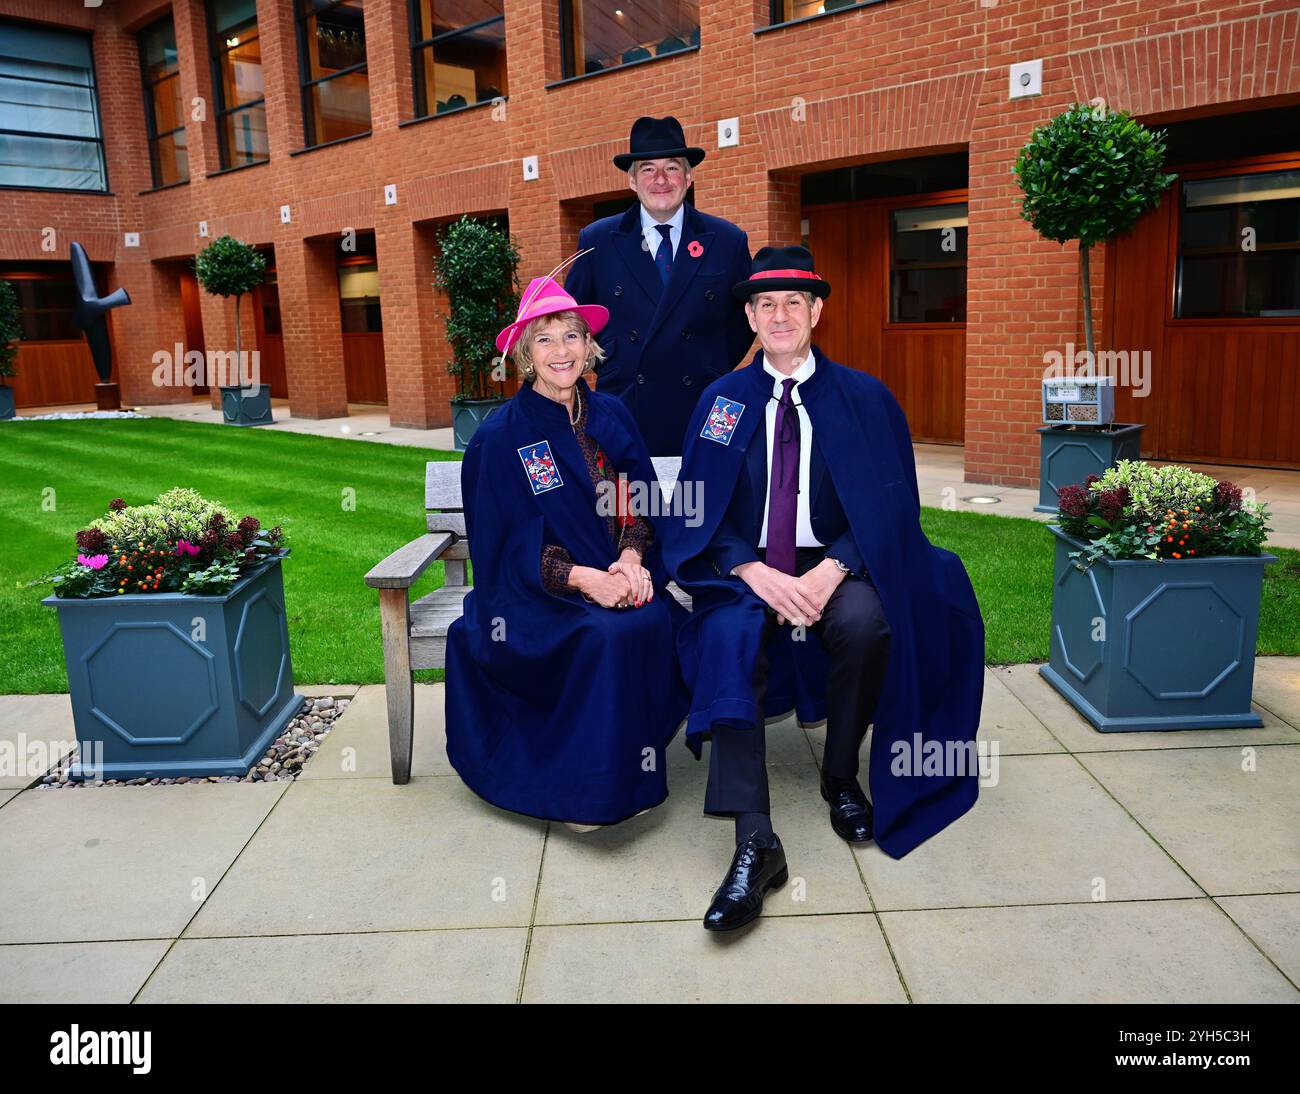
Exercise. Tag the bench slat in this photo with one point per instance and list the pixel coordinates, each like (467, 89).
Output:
(431, 615)
(442, 485)
(447, 522)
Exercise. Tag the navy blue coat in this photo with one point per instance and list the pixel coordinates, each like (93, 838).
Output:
(664, 344)
(557, 707)
(934, 680)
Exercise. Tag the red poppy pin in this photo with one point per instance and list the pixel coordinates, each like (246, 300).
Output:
(695, 248)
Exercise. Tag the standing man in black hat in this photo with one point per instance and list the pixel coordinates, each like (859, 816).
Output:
(664, 270)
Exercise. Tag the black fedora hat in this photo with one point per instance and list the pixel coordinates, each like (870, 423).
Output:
(777, 268)
(657, 138)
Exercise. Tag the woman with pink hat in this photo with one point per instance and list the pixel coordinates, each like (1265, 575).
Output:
(562, 682)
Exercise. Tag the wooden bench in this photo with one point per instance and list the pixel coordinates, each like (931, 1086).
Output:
(415, 633)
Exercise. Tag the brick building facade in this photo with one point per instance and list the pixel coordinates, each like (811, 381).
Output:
(896, 81)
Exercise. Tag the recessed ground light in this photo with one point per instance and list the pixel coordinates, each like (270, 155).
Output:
(982, 499)
(368, 433)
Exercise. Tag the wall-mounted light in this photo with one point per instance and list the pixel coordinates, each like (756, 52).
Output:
(232, 42)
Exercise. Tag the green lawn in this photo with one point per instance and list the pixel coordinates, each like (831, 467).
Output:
(55, 477)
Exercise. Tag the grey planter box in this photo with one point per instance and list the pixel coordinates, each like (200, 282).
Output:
(240, 407)
(1177, 648)
(466, 417)
(154, 697)
(6, 402)
(1068, 455)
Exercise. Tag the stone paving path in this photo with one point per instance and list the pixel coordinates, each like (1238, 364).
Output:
(1145, 867)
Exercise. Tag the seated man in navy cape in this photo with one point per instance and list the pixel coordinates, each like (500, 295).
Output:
(815, 589)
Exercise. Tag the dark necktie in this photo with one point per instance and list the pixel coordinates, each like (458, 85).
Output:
(783, 491)
(664, 255)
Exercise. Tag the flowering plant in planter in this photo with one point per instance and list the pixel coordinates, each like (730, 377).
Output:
(1135, 510)
(181, 542)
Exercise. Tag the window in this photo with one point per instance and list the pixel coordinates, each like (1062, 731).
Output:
(785, 11)
(237, 82)
(1239, 247)
(927, 278)
(163, 114)
(50, 135)
(459, 53)
(335, 81)
(359, 285)
(597, 34)
(46, 300)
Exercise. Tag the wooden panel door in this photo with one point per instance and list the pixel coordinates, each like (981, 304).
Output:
(1220, 390)
(363, 360)
(923, 364)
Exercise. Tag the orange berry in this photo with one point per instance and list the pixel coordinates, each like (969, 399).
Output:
(1177, 555)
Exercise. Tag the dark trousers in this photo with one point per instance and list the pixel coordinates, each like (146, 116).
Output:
(855, 635)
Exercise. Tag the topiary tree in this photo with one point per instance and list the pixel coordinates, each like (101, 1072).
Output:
(11, 330)
(226, 267)
(476, 267)
(1088, 175)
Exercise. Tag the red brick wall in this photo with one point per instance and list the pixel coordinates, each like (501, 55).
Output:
(898, 78)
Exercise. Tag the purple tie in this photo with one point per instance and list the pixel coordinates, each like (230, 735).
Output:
(664, 255)
(783, 493)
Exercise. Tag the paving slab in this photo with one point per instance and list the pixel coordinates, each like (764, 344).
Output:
(1077, 734)
(1044, 834)
(1277, 687)
(668, 863)
(351, 855)
(36, 732)
(1273, 923)
(120, 862)
(1006, 725)
(320, 691)
(470, 966)
(1235, 831)
(1162, 951)
(77, 972)
(805, 959)
(357, 745)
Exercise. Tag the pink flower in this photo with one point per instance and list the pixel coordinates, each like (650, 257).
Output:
(93, 562)
(185, 547)
(695, 247)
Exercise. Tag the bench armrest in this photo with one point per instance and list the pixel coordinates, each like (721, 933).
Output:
(403, 567)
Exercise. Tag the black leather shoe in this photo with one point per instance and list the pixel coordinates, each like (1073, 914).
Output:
(851, 813)
(755, 869)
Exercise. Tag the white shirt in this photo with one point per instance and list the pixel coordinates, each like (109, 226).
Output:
(803, 533)
(650, 230)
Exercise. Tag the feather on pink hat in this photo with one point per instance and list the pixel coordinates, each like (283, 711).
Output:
(545, 296)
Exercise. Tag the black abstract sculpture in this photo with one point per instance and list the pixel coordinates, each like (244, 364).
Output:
(91, 308)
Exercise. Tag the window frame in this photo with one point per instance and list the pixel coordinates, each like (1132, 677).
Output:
(217, 49)
(150, 116)
(1269, 164)
(417, 44)
(932, 200)
(567, 58)
(306, 84)
(773, 5)
(98, 115)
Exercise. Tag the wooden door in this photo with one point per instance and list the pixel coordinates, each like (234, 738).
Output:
(922, 363)
(1219, 390)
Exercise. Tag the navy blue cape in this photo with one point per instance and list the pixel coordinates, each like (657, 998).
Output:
(934, 682)
(557, 707)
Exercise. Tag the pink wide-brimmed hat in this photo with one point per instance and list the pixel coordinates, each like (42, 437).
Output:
(545, 296)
